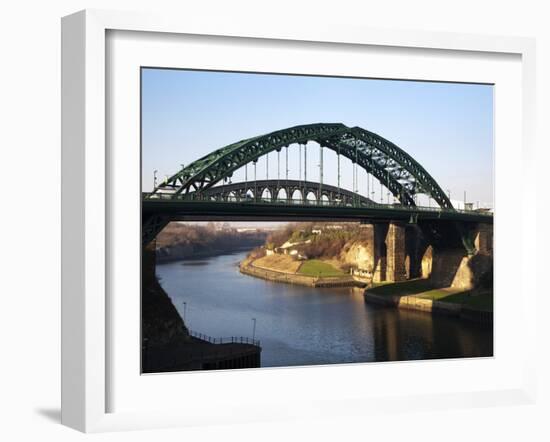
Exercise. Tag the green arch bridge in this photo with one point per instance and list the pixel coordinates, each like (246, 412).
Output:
(203, 189)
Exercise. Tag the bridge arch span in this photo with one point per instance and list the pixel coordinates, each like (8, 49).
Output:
(400, 173)
(282, 194)
(296, 194)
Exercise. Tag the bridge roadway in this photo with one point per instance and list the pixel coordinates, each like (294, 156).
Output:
(181, 209)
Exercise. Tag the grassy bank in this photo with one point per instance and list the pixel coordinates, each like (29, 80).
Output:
(479, 299)
(320, 269)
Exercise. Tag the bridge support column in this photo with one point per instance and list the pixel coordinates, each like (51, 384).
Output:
(484, 239)
(379, 231)
(415, 247)
(395, 253)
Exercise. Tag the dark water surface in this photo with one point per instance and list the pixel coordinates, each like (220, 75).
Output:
(301, 325)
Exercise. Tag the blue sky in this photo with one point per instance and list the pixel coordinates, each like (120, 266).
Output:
(447, 127)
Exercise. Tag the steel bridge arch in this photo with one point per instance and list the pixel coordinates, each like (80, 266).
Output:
(400, 173)
(334, 194)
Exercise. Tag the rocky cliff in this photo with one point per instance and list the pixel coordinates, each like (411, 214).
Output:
(161, 322)
(358, 254)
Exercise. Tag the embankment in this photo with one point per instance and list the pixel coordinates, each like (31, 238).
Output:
(414, 302)
(248, 268)
(167, 344)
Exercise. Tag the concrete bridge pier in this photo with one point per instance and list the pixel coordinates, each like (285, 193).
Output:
(484, 239)
(379, 232)
(396, 253)
(416, 248)
(388, 251)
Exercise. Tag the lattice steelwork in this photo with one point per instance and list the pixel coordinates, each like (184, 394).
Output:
(393, 167)
(244, 191)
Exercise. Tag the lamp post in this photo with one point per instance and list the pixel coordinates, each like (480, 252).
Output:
(253, 329)
(155, 178)
(184, 310)
(255, 182)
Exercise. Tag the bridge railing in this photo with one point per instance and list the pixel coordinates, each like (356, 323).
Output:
(225, 340)
(301, 202)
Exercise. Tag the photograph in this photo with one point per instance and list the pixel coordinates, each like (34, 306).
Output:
(303, 220)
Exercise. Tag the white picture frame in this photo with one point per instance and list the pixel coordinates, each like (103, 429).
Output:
(86, 213)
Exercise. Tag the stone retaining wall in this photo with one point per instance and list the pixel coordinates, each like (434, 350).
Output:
(431, 306)
(292, 278)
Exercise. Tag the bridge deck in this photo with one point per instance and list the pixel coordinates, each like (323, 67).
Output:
(180, 209)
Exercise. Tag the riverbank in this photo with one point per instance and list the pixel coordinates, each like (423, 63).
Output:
(247, 267)
(164, 259)
(421, 295)
(182, 241)
(301, 325)
(167, 343)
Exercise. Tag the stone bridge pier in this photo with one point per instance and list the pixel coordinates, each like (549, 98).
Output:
(402, 251)
(396, 253)
(397, 250)
(483, 241)
(388, 248)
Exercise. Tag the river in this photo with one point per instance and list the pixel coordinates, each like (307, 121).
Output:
(303, 326)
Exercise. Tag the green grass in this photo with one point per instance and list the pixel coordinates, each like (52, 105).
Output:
(412, 287)
(314, 267)
(438, 294)
(480, 299)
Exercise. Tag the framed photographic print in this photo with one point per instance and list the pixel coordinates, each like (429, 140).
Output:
(280, 265)
(252, 214)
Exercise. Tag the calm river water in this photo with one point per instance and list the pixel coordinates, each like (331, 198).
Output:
(301, 325)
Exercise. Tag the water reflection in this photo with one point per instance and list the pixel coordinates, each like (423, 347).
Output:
(194, 263)
(302, 325)
(409, 335)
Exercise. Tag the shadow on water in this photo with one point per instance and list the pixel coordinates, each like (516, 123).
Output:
(194, 263)
(304, 326)
(410, 335)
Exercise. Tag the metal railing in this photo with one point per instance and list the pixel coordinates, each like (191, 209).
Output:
(304, 203)
(225, 340)
(186, 358)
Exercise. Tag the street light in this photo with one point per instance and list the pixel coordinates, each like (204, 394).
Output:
(253, 329)
(155, 178)
(184, 310)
